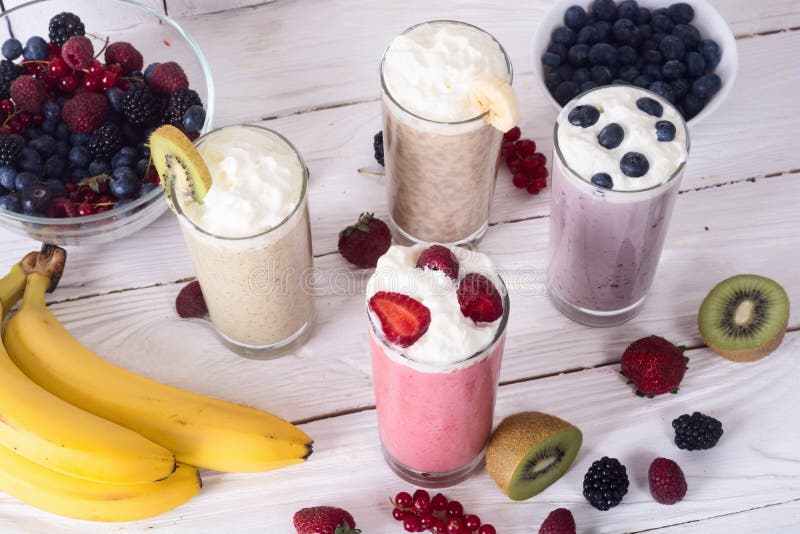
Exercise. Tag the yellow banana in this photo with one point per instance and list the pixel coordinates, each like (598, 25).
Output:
(61, 437)
(201, 431)
(83, 499)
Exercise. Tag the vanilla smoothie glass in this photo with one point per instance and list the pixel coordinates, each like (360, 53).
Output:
(250, 240)
(605, 242)
(435, 412)
(440, 155)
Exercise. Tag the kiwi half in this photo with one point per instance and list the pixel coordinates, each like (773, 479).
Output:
(177, 160)
(529, 451)
(744, 317)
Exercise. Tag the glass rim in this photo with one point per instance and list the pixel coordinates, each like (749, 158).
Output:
(73, 223)
(501, 330)
(300, 201)
(678, 170)
(386, 91)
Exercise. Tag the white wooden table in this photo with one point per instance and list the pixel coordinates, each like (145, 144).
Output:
(309, 69)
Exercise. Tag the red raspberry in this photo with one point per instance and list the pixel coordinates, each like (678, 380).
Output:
(125, 55)
(190, 301)
(28, 93)
(559, 521)
(167, 77)
(77, 52)
(364, 242)
(403, 319)
(667, 483)
(479, 298)
(654, 365)
(85, 111)
(439, 258)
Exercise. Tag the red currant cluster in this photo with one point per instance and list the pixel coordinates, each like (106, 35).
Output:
(421, 512)
(58, 75)
(528, 166)
(12, 122)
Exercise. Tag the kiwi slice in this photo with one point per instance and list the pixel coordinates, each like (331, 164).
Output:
(744, 317)
(177, 160)
(529, 451)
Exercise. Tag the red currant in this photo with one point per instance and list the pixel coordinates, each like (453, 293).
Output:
(4, 130)
(426, 520)
(115, 68)
(472, 522)
(516, 166)
(37, 118)
(438, 527)
(92, 83)
(529, 165)
(95, 68)
(487, 529)
(513, 134)
(7, 106)
(526, 147)
(109, 79)
(403, 500)
(15, 126)
(422, 501)
(541, 172)
(539, 159)
(85, 208)
(520, 180)
(532, 189)
(509, 149)
(25, 118)
(540, 183)
(438, 502)
(398, 514)
(55, 50)
(455, 525)
(411, 523)
(58, 68)
(68, 83)
(454, 509)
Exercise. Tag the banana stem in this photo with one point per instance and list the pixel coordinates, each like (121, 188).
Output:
(35, 289)
(11, 288)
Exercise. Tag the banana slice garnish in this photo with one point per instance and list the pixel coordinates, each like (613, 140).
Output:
(494, 96)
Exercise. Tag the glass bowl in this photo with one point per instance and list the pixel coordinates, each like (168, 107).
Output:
(159, 39)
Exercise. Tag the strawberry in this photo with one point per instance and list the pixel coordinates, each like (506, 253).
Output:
(479, 298)
(364, 242)
(439, 258)
(85, 111)
(167, 77)
(559, 521)
(28, 93)
(403, 319)
(190, 301)
(77, 52)
(667, 483)
(324, 520)
(654, 365)
(125, 55)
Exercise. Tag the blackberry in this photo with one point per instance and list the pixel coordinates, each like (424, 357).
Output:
(605, 483)
(377, 145)
(9, 71)
(105, 141)
(63, 26)
(10, 150)
(139, 106)
(179, 101)
(696, 432)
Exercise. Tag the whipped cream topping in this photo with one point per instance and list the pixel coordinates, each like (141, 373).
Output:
(617, 104)
(428, 69)
(451, 337)
(256, 179)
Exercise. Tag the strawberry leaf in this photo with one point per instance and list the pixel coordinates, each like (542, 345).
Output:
(682, 348)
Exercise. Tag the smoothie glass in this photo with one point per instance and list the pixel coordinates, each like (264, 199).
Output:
(257, 288)
(434, 421)
(605, 244)
(440, 175)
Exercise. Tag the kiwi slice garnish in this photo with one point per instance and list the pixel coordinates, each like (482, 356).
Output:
(529, 451)
(177, 160)
(744, 317)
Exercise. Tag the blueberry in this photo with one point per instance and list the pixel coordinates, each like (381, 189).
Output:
(705, 86)
(62, 149)
(12, 49)
(98, 167)
(661, 23)
(10, 202)
(558, 49)
(672, 47)
(627, 55)
(604, 31)
(149, 70)
(79, 139)
(54, 168)
(563, 35)
(45, 145)
(35, 198)
(124, 183)
(601, 75)
(710, 51)
(581, 75)
(692, 105)
(644, 16)
(658, 37)
(36, 49)
(643, 81)
(660, 11)
(56, 188)
(131, 135)
(141, 167)
(628, 73)
(565, 72)
(578, 55)
(124, 158)
(653, 70)
(146, 188)
(650, 106)
(611, 136)
(51, 111)
(653, 56)
(565, 92)
(79, 174)
(603, 180)
(695, 64)
(30, 160)
(194, 118)
(49, 126)
(645, 31)
(688, 34)
(32, 132)
(628, 9)
(583, 116)
(7, 176)
(25, 179)
(588, 35)
(605, 10)
(680, 87)
(626, 32)
(619, 81)
(586, 86)
(551, 60)
(115, 97)
(665, 131)
(603, 54)
(673, 69)
(663, 89)
(574, 17)
(79, 156)
(551, 81)
(680, 13)
(634, 164)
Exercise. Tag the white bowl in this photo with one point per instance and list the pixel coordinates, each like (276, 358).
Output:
(706, 19)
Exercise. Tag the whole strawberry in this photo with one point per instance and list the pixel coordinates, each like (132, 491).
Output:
(667, 483)
(654, 365)
(364, 242)
(324, 520)
(559, 521)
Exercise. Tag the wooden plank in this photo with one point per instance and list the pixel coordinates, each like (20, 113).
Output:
(778, 518)
(754, 464)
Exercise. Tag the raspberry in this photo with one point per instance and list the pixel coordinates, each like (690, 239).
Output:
(179, 101)
(479, 299)
(377, 147)
(9, 71)
(439, 258)
(696, 432)
(364, 242)
(559, 521)
(605, 483)
(190, 301)
(105, 141)
(139, 106)
(667, 483)
(10, 149)
(77, 52)
(125, 55)
(84, 112)
(28, 93)
(167, 77)
(654, 365)
(403, 319)
(63, 26)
